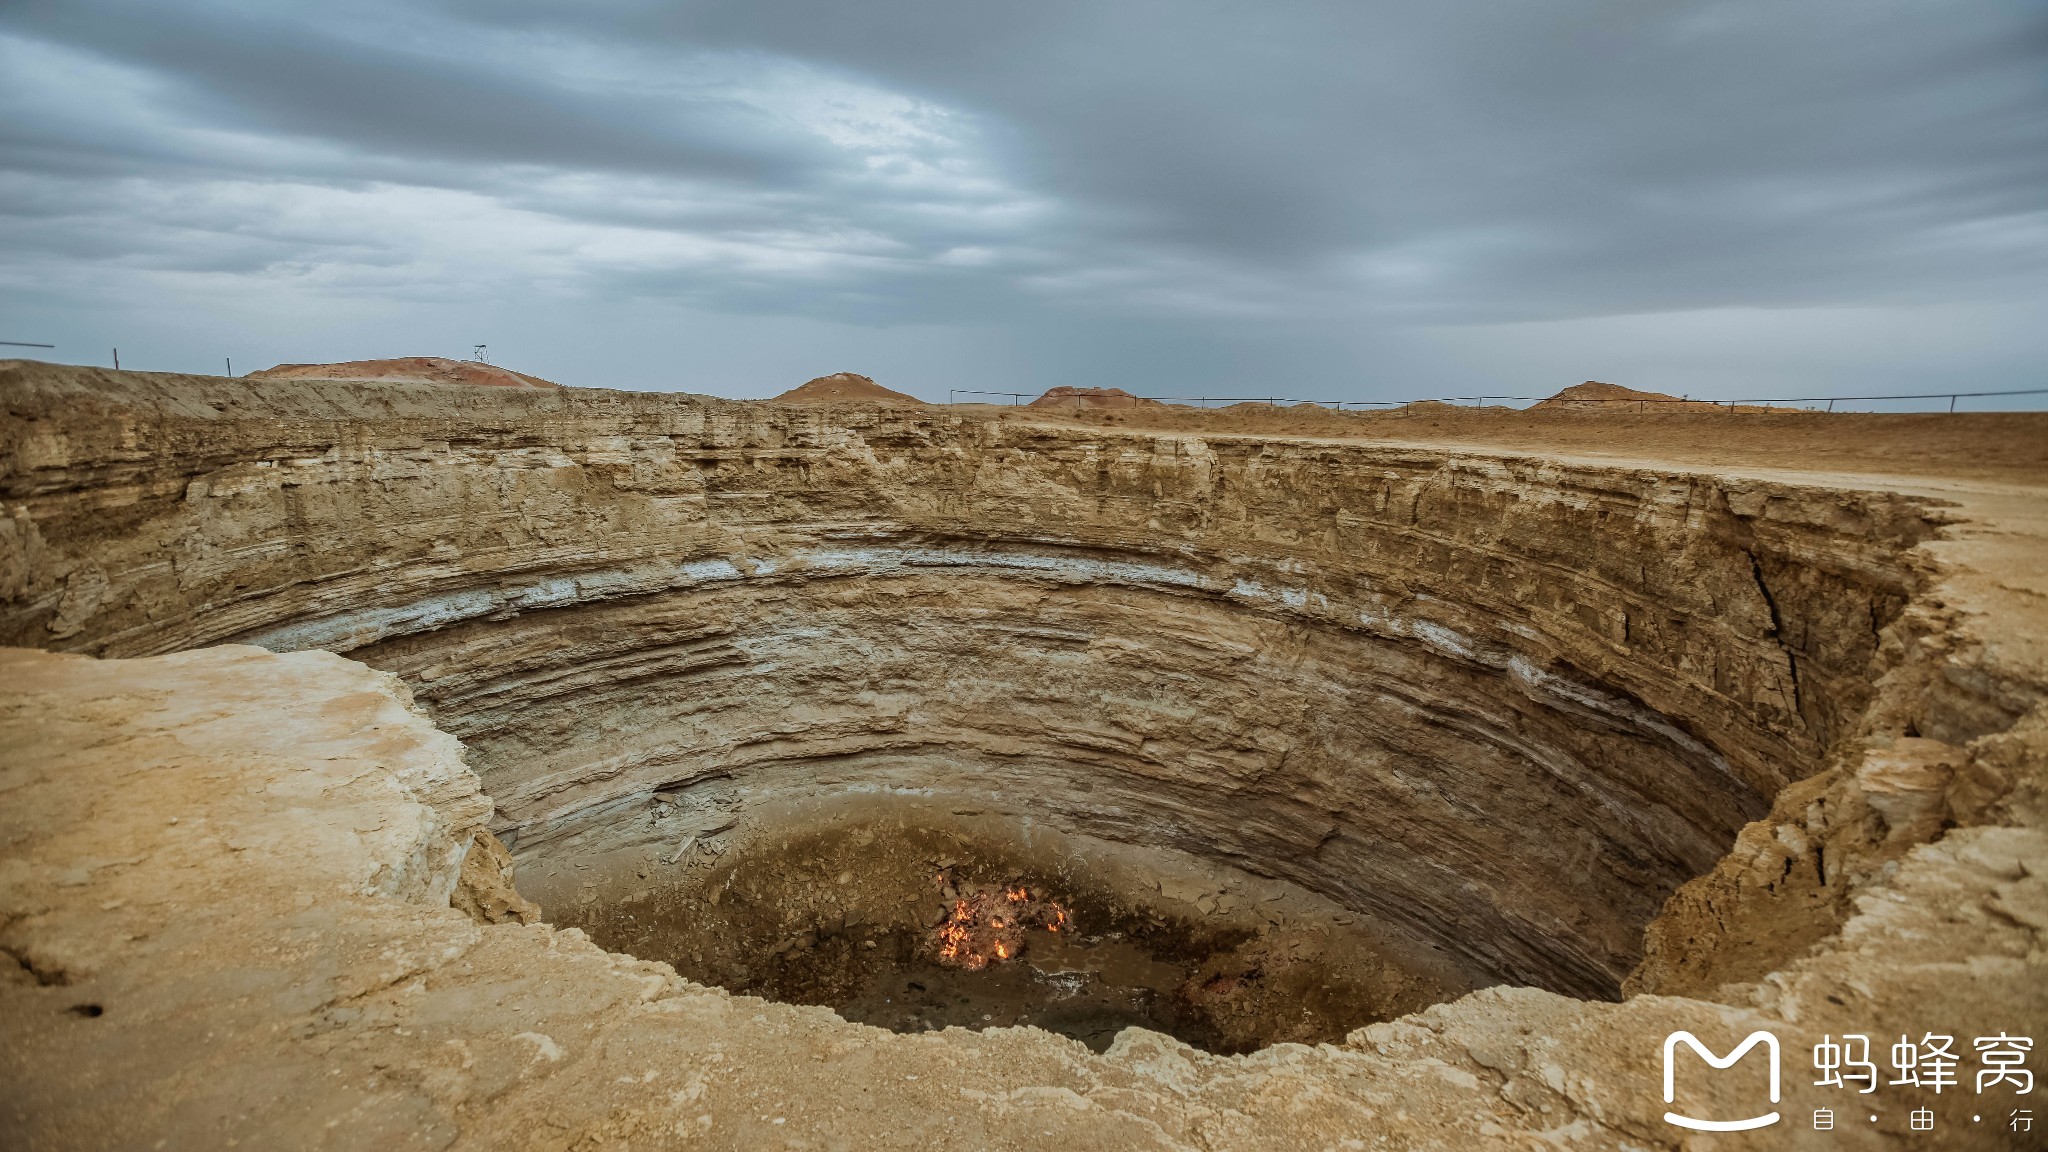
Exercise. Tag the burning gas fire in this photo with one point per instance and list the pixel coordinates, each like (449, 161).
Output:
(992, 925)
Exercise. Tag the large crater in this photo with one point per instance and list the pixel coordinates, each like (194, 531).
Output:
(1303, 735)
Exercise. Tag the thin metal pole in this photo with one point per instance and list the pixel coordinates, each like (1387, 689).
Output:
(230, 363)
(1951, 403)
(117, 359)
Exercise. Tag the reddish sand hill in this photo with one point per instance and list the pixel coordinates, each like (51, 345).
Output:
(844, 388)
(409, 369)
(1065, 397)
(1594, 394)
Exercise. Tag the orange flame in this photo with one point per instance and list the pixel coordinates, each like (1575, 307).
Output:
(988, 926)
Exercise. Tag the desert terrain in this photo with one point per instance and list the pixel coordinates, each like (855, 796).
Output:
(399, 764)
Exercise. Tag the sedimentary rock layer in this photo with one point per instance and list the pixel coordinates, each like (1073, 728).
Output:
(1367, 670)
(1504, 702)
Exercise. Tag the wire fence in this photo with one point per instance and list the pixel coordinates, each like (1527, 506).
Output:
(1015, 397)
(1081, 400)
(1808, 403)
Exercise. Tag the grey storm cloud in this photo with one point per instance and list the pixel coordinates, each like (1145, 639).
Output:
(1215, 166)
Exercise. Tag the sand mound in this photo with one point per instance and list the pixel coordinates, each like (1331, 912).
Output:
(1593, 394)
(844, 388)
(1065, 397)
(409, 369)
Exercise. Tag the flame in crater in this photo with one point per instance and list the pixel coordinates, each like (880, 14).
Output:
(985, 927)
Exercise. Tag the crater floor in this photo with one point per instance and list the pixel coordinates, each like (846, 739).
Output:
(848, 905)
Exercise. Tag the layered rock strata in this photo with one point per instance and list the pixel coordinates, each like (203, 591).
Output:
(1368, 671)
(1505, 704)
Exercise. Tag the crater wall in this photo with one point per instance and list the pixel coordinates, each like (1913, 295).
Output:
(1371, 671)
(1504, 704)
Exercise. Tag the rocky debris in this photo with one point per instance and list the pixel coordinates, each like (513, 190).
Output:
(844, 388)
(408, 370)
(485, 888)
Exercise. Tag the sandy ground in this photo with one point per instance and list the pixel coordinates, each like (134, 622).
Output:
(2008, 446)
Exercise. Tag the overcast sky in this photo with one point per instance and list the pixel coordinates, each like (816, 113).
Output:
(1327, 200)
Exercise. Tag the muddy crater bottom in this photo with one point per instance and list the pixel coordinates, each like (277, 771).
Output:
(911, 927)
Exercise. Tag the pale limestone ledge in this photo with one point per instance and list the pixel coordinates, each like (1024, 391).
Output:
(244, 858)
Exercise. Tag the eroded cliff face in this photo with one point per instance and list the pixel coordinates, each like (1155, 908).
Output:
(1501, 707)
(1369, 671)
